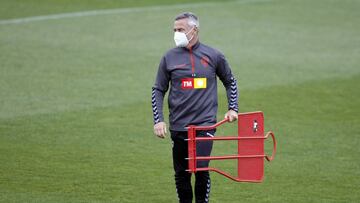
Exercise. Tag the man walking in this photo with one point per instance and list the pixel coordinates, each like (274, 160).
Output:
(191, 69)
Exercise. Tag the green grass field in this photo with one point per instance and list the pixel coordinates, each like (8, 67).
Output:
(75, 109)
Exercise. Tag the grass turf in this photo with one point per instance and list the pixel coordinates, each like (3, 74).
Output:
(75, 115)
(20, 8)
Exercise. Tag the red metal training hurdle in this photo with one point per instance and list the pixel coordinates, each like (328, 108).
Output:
(250, 148)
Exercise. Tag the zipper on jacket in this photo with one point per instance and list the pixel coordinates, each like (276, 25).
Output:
(192, 63)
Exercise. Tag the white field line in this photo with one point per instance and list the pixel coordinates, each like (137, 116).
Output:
(120, 11)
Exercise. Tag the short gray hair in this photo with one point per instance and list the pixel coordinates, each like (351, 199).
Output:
(193, 20)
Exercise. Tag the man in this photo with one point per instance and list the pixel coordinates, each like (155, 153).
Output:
(192, 69)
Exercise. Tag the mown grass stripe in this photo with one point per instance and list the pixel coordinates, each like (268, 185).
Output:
(117, 11)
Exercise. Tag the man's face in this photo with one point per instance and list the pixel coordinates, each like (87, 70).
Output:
(183, 26)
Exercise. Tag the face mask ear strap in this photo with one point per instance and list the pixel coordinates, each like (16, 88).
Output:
(189, 32)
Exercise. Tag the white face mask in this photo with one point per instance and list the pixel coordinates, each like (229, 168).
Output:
(180, 38)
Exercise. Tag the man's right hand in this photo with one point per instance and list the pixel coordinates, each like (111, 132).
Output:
(160, 129)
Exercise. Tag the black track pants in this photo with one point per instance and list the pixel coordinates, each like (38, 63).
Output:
(182, 177)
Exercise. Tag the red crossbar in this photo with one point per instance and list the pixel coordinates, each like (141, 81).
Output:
(226, 157)
(228, 175)
(226, 138)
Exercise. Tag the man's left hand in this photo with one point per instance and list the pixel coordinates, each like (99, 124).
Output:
(231, 115)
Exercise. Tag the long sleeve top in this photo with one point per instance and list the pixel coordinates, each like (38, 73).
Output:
(192, 77)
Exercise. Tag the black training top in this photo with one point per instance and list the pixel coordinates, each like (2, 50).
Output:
(193, 92)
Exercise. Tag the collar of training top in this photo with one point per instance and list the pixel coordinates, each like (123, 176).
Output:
(196, 45)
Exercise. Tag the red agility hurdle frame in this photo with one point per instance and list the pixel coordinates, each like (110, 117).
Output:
(250, 148)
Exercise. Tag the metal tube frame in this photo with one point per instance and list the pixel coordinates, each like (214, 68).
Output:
(192, 159)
